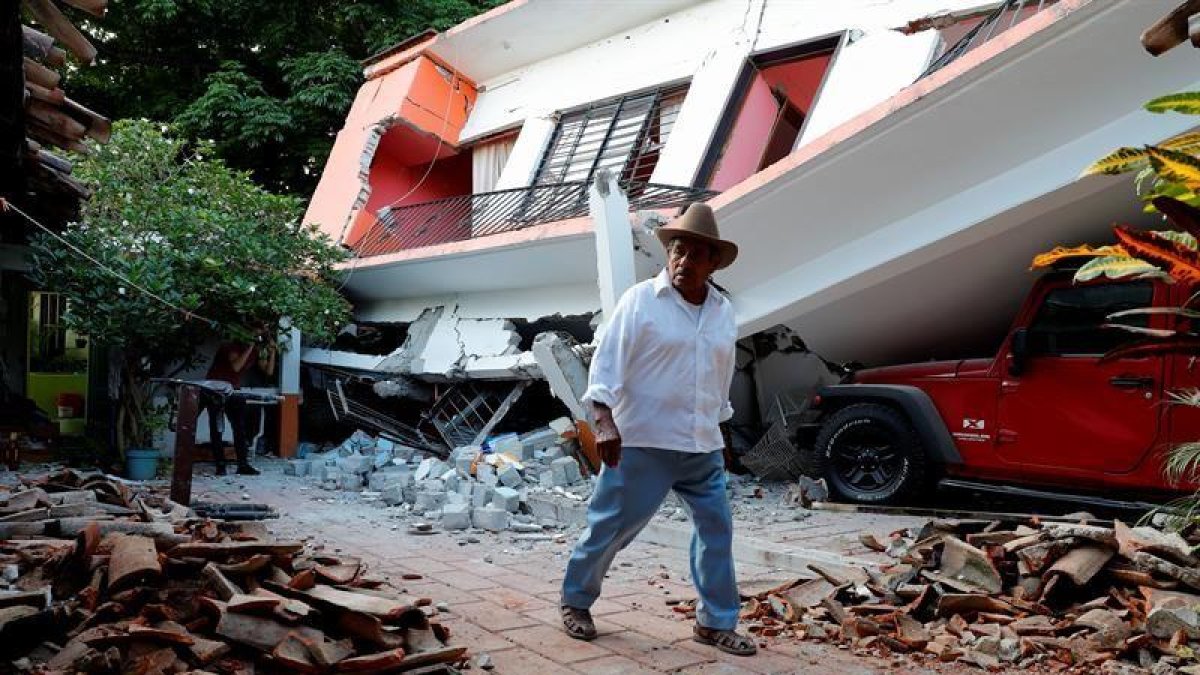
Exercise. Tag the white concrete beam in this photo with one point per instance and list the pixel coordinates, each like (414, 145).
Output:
(522, 165)
(614, 239)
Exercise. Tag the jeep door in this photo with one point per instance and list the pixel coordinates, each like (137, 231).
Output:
(1068, 410)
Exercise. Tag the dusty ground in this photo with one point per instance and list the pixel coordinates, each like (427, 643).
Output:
(502, 589)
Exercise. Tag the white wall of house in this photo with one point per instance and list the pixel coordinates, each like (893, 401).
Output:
(708, 45)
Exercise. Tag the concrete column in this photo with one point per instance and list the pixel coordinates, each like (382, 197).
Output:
(527, 152)
(708, 95)
(609, 210)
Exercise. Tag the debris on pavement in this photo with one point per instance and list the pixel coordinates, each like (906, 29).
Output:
(494, 487)
(104, 576)
(1054, 597)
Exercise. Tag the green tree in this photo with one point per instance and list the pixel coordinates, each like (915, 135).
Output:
(268, 82)
(184, 250)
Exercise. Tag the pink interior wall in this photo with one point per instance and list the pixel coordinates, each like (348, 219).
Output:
(799, 80)
(390, 181)
(748, 138)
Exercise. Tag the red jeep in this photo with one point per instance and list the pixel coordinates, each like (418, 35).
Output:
(1045, 412)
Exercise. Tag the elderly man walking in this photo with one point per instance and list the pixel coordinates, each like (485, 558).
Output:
(659, 387)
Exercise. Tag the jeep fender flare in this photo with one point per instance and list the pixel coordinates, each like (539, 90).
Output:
(914, 403)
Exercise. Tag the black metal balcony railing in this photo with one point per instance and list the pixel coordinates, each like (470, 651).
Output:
(1006, 15)
(471, 216)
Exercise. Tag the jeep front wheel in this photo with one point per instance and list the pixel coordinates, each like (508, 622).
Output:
(870, 454)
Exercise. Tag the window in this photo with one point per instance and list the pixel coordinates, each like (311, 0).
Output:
(1069, 320)
(624, 135)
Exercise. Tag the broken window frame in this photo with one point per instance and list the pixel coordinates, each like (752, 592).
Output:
(631, 129)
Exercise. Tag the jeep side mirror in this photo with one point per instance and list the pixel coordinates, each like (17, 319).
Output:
(1019, 351)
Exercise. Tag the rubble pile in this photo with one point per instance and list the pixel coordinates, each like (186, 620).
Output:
(1083, 596)
(491, 487)
(100, 579)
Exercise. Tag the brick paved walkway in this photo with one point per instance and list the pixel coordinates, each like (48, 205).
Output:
(502, 592)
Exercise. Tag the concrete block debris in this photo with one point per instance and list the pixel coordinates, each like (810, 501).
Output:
(490, 518)
(507, 498)
(510, 476)
(565, 471)
(296, 467)
(456, 516)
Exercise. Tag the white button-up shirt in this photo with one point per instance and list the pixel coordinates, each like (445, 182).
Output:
(664, 371)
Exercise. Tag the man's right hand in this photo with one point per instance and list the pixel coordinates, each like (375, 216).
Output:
(608, 438)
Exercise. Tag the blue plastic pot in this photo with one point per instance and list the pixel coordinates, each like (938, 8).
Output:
(141, 464)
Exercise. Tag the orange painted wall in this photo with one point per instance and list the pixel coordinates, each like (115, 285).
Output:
(421, 98)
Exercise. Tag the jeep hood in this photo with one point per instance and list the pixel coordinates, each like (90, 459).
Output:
(920, 371)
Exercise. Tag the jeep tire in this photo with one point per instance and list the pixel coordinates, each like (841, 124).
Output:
(869, 453)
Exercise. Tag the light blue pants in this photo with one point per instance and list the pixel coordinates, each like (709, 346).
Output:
(624, 501)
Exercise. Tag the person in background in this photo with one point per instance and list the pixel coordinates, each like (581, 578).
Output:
(232, 364)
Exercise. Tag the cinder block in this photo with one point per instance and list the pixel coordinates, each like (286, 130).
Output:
(508, 444)
(540, 439)
(392, 495)
(510, 476)
(565, 471)
(384, 445)
(549, 454)
(481, 495)
(296, 467)
(356, 463)
(507, 498)
(456, 498)
(403, 452)
(431, 467)
(382, 458)
(546, 479)
(429, 501)
(349, 481)
(463, 464)
(486, 474)
(451, 480)
(490, 518)
(544, 508)
(456, 516)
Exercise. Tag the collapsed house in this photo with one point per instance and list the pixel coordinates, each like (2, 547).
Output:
(503, 178)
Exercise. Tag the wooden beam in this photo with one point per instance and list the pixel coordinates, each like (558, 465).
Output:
(61, 29)
(49, 96)
(56, 120)
(40, 47)
(99, 127)
(93, 7)
(36, 72)
(1172, 30)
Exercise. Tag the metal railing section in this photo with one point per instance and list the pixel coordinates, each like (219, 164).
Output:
(1006, 15)
(479, 215)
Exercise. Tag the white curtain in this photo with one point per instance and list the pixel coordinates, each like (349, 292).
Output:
(487, 161)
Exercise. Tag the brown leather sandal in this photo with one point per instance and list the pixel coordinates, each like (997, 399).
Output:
(728, 641)
(578, 623)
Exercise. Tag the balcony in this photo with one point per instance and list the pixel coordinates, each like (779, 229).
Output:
(1006, 15)
(479, 215)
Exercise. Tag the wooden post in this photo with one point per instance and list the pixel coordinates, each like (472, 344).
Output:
(289, 425)
(185, 444)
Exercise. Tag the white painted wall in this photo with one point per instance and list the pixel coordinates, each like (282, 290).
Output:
(867, 72)
(706, 44)
(519, 303)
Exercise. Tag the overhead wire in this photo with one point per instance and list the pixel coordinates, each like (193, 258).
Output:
(187, 313)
